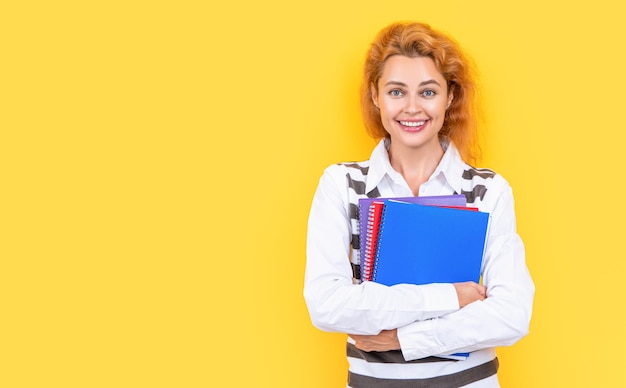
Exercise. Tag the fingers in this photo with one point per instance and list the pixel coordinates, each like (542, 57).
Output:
(385, 340)
(469, 292)
(482, 290)
(362, 342)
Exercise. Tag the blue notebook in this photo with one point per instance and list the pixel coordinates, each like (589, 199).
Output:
(426, 244)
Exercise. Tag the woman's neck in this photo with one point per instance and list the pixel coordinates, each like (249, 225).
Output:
(415, 165)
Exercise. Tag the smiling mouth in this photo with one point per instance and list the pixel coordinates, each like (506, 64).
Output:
(413, 124)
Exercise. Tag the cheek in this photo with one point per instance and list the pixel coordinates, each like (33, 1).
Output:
(436, 108)
(390, 107)
(388, 115)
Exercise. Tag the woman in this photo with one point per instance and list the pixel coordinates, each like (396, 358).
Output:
(417, 97)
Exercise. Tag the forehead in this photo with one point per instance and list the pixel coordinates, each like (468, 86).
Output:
(408, 70)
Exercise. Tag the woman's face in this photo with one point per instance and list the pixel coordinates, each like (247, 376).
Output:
(412, 97)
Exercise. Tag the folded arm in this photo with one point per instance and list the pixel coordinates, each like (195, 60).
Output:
(334, 302)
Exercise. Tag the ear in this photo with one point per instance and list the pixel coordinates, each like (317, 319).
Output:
(450, 98)
(374, 94)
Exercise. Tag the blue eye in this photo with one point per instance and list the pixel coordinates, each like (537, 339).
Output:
(395, 92)
(428, 93)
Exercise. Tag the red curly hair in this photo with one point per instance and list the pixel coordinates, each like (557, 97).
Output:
(414, 39)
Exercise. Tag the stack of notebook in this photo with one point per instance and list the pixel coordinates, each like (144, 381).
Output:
(421, 240)
(364, 213)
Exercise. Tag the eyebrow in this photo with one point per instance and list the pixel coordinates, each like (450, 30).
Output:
(427, 82)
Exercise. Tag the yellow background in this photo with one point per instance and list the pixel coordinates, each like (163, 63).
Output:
(158, 159)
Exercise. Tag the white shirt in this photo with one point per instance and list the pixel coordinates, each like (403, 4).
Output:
(428, 317)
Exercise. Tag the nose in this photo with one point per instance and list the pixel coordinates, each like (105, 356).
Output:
(412, 105)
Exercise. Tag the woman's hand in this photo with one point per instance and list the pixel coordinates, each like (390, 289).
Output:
(383, 341)
(469, 292)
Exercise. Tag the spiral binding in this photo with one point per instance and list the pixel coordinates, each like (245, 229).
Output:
(380, 231)
(371, 241)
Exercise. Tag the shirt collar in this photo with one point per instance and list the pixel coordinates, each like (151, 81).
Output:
(450, 167)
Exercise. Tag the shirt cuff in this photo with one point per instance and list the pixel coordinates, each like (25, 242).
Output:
(440, 299)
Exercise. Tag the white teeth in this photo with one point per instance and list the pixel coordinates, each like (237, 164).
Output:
(412, 123)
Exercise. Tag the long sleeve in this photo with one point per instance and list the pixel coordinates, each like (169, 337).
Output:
(334, 302)
(501, 319)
